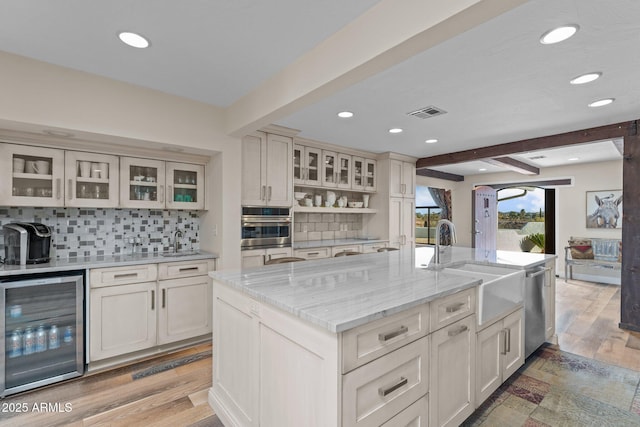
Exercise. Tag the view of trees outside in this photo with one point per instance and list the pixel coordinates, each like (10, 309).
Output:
(427, 215)
(426, 218)
(521, 220)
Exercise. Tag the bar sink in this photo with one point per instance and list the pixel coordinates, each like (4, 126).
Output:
(501, 291)
(179, 254)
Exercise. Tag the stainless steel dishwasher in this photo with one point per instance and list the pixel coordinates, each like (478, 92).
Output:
(534, 309)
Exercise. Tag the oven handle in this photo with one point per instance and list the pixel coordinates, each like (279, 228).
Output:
(266, 221)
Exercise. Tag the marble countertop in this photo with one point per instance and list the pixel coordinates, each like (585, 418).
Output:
(333, 242)
(101, 261)
(341, 293)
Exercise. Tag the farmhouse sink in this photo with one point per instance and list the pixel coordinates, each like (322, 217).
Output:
(501, 291)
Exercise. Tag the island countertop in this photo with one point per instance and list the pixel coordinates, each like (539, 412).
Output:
(341, 293)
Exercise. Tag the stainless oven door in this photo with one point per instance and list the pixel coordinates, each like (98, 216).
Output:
(261, 232)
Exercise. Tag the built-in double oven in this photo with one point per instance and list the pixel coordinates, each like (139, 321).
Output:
(266, 228)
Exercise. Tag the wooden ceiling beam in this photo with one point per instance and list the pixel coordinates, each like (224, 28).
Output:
(431, 173)
(552, 141)
(514, 165)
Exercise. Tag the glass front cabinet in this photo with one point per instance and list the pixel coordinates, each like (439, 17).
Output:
(329, 169)
(155, 184)
(32, 176)
(306, 165)
(185, 186)
(91, 179)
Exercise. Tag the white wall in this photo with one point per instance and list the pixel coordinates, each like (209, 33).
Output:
(570, 201)
(38, 95)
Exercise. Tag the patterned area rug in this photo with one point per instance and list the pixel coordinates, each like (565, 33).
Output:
(555, 388)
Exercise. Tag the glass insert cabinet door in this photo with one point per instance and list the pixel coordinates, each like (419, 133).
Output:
(358, 170)
(185, 186)
(344, 171)
(92, 179)
(329, 170)
(142, 183)
(33, 176)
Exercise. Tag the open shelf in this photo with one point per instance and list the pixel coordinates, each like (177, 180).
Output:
(313, 209)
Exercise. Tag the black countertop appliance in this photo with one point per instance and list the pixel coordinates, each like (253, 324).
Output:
(26, 243)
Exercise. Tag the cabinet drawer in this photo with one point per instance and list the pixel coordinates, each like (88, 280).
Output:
(351, 248)
(447, 310)
(314, 253)
(123, 275)
(172, 270)
(367, 342)
(375, 392)
(416, 415)
(373, 247)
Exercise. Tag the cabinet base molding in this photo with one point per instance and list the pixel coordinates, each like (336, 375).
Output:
(138, 356)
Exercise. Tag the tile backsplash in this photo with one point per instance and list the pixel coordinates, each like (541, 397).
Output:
(81, 232)
(323, 226)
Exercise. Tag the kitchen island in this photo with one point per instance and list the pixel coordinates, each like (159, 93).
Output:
(364, 340)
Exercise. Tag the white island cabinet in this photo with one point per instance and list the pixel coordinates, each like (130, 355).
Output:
(368, 340)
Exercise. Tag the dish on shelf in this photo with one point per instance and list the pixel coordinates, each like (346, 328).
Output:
(299, 195)
(355, 204)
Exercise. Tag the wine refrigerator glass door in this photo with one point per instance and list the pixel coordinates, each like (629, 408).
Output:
(43, 324)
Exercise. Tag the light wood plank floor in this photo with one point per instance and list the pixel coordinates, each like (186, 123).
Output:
(150, 393)
(587, 325)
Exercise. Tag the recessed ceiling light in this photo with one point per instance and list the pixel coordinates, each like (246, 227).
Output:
(345, 114)
(559, 34)
(133, 39)
(585, 78)
(395, 130)
(573, 159)
(482, 169)
(602, 102)
(431, 141)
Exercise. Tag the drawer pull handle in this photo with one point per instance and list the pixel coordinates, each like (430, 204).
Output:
(455, 307)
(383, 392)
(313, 253)
(386, 337)
(187, 269)
(458, 331)
(122, 276)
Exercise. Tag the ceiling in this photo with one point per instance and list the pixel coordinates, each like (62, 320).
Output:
(496, 82)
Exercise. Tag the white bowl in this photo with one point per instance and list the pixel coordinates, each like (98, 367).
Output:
(355, 204)
(299, 195)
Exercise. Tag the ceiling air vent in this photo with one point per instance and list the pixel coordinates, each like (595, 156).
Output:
(537, 157)
(427, 112)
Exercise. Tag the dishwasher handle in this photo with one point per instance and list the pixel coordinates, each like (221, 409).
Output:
(539, 272)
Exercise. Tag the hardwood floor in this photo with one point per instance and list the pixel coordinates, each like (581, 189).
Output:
(167, 391)
(172, 390)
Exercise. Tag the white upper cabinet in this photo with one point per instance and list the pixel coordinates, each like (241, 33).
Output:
(31, 176)
(402, 179)
(306, 165)
(185, 186)
(329, 168)
(370, 177)
(91, 180)
(142, 183)
(344, 171)
(267, 170)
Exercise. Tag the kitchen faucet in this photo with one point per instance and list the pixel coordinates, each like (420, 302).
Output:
(452, 230)
(176, 242)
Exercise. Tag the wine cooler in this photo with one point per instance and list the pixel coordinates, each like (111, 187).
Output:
(43, 328)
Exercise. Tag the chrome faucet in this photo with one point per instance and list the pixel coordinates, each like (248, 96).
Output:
(452, 230)
(176, 242)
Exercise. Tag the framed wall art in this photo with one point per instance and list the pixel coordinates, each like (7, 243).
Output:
(604, 209)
